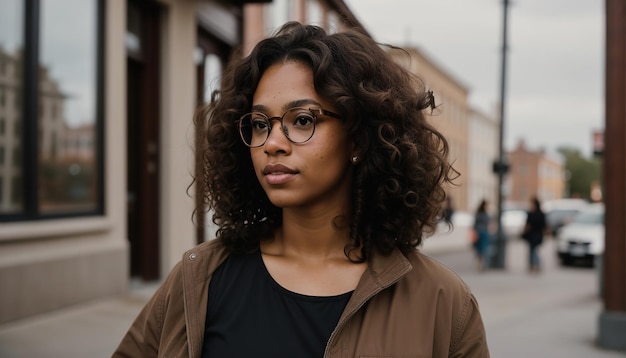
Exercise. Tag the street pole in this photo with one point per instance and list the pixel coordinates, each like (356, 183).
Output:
(612, 320)
(499, 248)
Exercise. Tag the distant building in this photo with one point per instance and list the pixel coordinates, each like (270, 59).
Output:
(10, 131)
(79, 143)
(52, 120)
(534, 173)
(483, 151)
(451, 118)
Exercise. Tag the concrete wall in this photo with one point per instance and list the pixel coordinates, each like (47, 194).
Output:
(178, 98)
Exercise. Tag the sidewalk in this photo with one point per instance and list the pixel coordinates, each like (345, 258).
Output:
(447, 240)
(553, 314)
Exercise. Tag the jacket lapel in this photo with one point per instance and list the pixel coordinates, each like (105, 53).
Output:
(382, 272)
(198, 266)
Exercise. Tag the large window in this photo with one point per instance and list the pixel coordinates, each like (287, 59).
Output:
(50, 108)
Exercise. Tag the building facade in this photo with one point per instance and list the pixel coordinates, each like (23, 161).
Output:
(534, 173)
(450, 118)
(97, 136)
(482, 152)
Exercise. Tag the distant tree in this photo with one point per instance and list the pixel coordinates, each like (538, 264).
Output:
(582, 172)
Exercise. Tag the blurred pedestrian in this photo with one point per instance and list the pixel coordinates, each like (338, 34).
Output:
(323, 175)
(448, 210)
(482, 235)
(533, 234)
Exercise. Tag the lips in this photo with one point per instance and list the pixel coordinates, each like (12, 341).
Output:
(277, 169)
(278, 173)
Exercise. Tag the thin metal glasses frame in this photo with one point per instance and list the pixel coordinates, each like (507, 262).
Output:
(314, 112)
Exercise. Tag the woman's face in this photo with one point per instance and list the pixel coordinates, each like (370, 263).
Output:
(316, 173)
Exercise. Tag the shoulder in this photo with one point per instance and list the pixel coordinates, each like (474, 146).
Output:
(430, 272)
(207, 247)
(202, 260)
(429, 282)
(437, 287)
(164, 317)
(454, 303)
(196, 263)
(438, 305)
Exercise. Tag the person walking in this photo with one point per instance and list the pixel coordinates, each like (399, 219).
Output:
(323, 175)
(482, 236)
(533, 234)
(448, 210)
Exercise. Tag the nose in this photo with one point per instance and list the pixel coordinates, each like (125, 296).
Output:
(277, 140)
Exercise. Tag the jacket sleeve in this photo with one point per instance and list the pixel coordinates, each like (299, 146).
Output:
(143, 338)
(469, 338)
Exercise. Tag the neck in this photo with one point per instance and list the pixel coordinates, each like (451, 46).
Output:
(314, 237)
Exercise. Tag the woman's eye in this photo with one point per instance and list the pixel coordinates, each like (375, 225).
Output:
(303, 120)
(259, 124)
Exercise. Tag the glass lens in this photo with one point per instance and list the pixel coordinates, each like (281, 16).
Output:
(298, 125)
(254, 128)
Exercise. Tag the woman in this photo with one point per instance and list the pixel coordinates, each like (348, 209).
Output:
(323, 175)
(533, 234)
(482, 235)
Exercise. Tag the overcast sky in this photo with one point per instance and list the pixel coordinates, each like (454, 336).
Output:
(555, 74)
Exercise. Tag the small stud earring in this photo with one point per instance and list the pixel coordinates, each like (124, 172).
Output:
(355, 159)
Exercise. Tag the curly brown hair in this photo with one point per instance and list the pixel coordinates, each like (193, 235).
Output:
(398, 183)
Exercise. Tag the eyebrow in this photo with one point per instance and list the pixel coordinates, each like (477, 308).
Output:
(289, 105)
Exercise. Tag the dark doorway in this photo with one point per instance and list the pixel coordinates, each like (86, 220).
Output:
(143, 120)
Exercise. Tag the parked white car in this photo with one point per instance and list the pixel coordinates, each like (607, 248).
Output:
(562, 211)
(583, 238)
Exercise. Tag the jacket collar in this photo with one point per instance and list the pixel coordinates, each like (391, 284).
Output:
(382, 272)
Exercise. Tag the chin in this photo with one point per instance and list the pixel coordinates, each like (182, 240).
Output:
(285, 200)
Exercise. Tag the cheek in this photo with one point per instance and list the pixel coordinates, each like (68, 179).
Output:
(335, 152)
(322, 154)
(340, 148)
(325, 149)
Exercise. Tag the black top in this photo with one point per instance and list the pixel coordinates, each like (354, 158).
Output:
(536, 221)
(251, 315)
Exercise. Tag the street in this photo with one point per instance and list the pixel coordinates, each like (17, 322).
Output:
(551, 314)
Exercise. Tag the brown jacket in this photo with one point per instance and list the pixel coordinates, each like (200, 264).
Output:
(404, 306)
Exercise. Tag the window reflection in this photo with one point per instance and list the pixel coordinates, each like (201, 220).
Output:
(67, 106)
(11, 47)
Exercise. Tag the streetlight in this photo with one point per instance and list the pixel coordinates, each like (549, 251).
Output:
(501, 166)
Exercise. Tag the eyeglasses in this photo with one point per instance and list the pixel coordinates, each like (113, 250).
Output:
(298, 125)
